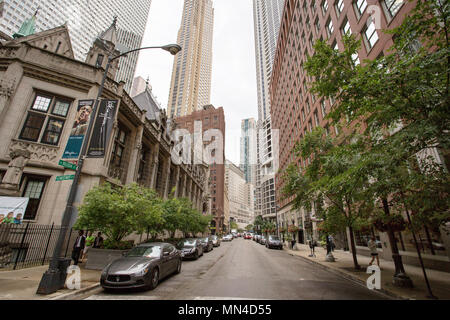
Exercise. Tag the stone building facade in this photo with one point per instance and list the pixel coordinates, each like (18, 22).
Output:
(40, 85)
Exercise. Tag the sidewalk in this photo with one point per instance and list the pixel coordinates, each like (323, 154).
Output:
(22, 284)
(439, 281)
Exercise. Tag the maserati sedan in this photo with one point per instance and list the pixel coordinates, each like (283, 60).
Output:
(143, 266)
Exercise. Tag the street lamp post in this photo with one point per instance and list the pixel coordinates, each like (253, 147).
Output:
(54, 278)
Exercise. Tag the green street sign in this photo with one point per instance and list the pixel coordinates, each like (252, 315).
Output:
(66, 177)
(67, 165)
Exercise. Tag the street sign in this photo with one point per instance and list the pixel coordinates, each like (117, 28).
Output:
(66, 177)
(67, 165)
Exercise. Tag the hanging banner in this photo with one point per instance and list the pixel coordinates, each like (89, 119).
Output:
(12, 210)
(102, 128)
(79, 129)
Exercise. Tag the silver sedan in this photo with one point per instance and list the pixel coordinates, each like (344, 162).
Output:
(143, 266)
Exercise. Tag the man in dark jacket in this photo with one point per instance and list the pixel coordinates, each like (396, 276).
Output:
(98, 242)
(78, 247)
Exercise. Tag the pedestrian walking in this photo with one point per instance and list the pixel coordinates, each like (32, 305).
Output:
(372, 244)
(331, 240)
(98, 242)
(88, 244)
(312, 246)
(78, 247)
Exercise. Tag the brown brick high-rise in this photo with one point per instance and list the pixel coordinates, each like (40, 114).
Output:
(211, 118)
(294, 110)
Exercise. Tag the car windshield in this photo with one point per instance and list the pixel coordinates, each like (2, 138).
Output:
(204, 239)
(274, 238)
(214, 237)
(186, 244)
(148, 252)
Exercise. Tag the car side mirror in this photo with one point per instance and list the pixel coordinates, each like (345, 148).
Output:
(165, 254)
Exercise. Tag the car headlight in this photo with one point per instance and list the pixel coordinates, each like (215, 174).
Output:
(143, 272)
(105, 270)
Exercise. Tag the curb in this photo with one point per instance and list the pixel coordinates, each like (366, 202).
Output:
(77, 293)
(389, 294)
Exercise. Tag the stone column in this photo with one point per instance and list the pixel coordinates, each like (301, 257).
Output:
(167, 181)
(183, 185)
(177, 182)
(155, 162)
(134, 157)
(189, 187)
(8, 85)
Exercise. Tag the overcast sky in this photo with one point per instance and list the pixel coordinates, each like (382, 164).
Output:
(234, 74)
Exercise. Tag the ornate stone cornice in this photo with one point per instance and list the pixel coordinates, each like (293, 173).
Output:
(38, 152)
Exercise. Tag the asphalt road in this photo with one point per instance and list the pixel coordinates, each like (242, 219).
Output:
(243, 269)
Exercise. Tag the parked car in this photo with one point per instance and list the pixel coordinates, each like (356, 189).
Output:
(216, 241)
(247, 236)
(263, 240)
(274, 242)
(190, 248)
(228, 237)
(207, 244)
(143, 266)
(257, 238)
(234, 235)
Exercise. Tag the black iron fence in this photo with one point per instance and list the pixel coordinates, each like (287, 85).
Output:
(30, 245)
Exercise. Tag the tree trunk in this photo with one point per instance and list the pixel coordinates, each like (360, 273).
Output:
(430, 242)
(353, 246)
(400, 277)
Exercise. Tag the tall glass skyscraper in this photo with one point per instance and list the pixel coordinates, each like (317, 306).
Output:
(267, 18)
(248, 150)
(190, 88)
(86, 19)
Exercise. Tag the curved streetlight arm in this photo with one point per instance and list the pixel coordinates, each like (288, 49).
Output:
(131, 51)
(167, 48)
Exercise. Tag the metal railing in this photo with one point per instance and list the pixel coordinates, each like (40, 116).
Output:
(30, 245)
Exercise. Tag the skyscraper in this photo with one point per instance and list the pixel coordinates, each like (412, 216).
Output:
(190, 87)
(248, 150)
(267, 18)
(86, 20)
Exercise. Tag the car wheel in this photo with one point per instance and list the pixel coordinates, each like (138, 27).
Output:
(154, 279)
(196, 255)
(178, 267)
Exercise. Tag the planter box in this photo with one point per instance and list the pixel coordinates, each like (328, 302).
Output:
(98, 259)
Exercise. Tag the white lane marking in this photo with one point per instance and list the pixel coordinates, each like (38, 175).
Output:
(121, 297)
(224, 298)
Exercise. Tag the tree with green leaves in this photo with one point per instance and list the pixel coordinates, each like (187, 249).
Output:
(400, 103)
(117, 212)
(337, 197)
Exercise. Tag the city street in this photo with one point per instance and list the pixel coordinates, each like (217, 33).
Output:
(244, 269)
